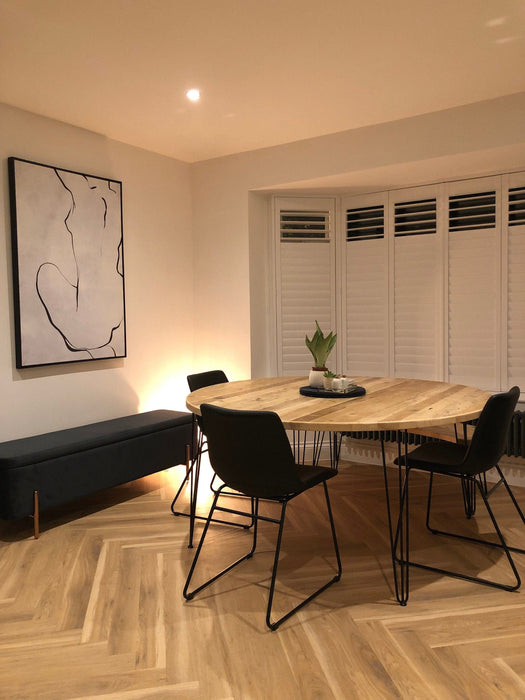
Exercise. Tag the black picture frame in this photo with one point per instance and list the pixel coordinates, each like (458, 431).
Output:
(68, 265)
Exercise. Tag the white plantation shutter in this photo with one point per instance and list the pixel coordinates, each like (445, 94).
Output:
(474, 284)
(425, 282)
(417, 286)
(305, 298)
(365, 313)
(515, 220)
(417, 300)
(305, 278)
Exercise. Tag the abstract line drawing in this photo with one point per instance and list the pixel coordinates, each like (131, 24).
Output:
(68, 265)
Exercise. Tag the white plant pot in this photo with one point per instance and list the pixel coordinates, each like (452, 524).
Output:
(327, 383)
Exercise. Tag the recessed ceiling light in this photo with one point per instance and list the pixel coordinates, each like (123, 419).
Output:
(193, 95)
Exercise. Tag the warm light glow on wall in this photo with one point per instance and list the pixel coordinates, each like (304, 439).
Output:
(169, 392)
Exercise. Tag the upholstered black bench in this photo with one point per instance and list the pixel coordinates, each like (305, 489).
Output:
(48, 470)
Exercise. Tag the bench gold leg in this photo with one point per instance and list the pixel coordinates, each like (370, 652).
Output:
(36, 515)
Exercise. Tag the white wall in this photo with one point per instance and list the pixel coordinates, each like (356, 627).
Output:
(456, 140)
(197, 283)
(158, 255)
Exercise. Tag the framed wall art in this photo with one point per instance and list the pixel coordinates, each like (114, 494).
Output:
(68, 265)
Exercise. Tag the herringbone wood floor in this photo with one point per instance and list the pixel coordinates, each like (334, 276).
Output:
(94, 608)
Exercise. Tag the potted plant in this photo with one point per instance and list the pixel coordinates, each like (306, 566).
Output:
(320, 346)
(328, 379)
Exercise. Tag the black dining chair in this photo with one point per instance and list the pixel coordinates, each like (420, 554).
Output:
(195, 382)
(250, 452)
(469, 463)
(199, 381)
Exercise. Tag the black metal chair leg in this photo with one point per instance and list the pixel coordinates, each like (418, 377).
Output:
(501, 544)
(193, 475)
(188, 595)
(469, 463)
(274, 625)
(485, 495)
(270, 624)
(332, 528)
(513, 499)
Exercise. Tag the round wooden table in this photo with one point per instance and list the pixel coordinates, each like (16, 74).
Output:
(389, 403)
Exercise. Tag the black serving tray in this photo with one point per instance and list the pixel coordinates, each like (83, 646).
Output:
(327, 394)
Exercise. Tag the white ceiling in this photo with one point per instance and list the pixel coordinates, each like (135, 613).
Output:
(270, 71)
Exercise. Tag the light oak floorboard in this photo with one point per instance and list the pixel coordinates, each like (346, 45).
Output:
(94, 608)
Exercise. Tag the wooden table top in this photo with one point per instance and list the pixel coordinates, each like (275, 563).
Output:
(389, 404)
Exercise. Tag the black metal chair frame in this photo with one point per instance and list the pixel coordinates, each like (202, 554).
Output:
(192, 474)
(401, 540)
(471, 484)
(299, 446)
(280, 521)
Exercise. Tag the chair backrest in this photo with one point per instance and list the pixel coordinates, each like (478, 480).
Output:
(490, 435)
(250, 452)
(198, 381)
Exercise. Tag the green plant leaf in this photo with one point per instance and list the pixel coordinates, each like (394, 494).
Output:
(320, 345)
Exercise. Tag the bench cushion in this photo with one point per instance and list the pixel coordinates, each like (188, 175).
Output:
(39, 448)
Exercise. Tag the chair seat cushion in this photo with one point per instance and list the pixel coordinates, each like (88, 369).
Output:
(309, 475)
(442, 457)
(39, 448)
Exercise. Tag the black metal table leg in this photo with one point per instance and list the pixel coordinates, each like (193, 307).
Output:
(299, 442)
(399, 539)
